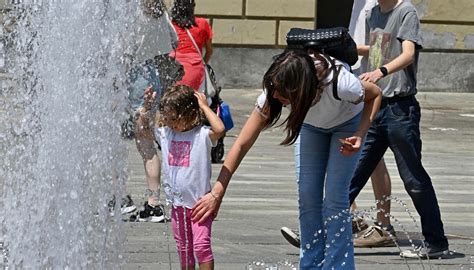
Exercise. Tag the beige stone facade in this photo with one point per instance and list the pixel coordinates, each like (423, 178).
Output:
(446, 24)
(247, 33)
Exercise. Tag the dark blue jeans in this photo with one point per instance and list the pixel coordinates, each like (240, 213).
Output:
(397, 125)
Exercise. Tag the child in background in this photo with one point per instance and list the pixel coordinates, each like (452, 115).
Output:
(186, 153)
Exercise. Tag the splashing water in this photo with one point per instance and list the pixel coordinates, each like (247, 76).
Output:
(260, 265)
(63, 155)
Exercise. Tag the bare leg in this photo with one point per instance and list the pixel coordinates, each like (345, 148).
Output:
(353, 206)
(206, 266)
(382, 189)
(151, 161)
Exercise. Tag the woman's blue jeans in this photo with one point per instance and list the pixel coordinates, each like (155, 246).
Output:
(323, 177)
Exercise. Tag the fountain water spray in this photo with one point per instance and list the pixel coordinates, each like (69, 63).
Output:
(63, 155)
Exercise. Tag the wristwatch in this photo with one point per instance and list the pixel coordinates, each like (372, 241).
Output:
(384, 71)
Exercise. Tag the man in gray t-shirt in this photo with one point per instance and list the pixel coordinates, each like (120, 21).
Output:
(385, 34)
(394, 40)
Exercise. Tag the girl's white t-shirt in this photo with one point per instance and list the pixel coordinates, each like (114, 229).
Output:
(186, 164)
(329, 112)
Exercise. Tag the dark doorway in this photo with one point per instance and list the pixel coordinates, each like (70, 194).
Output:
(332, 13)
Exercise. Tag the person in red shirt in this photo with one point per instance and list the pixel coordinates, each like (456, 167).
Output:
(182, 17)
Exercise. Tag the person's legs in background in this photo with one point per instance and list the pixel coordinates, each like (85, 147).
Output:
(382, 187)
(143, 77)
(403, 131)
(152, 164)
(382, 233)
(374, 148)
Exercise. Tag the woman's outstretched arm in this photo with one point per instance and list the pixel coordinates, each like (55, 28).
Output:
(210, 203)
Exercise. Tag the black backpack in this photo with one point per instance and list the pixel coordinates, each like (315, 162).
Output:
(335, 42)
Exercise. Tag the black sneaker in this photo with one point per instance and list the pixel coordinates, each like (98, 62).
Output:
(151, 214)
(291, 236)
(126, 205)
(421, 252)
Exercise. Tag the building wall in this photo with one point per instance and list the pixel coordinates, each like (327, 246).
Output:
(248, 32)
(446, 24)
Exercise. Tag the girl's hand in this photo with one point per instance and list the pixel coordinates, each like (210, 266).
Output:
(202, 100)
(149, 98)
(350, 145)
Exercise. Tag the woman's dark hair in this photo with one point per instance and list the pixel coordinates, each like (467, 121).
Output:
(154, 8)
(182, 13)
(293, 75)
(179, 102)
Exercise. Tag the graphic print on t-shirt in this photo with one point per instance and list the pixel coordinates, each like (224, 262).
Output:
(179, 153)
(379, 53)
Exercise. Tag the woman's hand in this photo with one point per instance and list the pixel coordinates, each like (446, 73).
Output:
(206, 206)
(350, 145)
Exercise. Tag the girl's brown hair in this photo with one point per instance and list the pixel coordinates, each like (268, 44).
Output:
(179, 102)
(293, 75)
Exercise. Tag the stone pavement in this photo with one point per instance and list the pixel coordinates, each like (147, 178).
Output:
(262, 198)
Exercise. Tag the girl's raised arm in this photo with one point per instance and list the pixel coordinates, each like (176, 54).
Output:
(217, 127)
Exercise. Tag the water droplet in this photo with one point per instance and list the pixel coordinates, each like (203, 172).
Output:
(73, 194)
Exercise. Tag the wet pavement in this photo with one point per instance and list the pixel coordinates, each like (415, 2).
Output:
(262, 197)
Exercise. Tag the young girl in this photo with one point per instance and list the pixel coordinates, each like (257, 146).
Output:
(186, 153)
